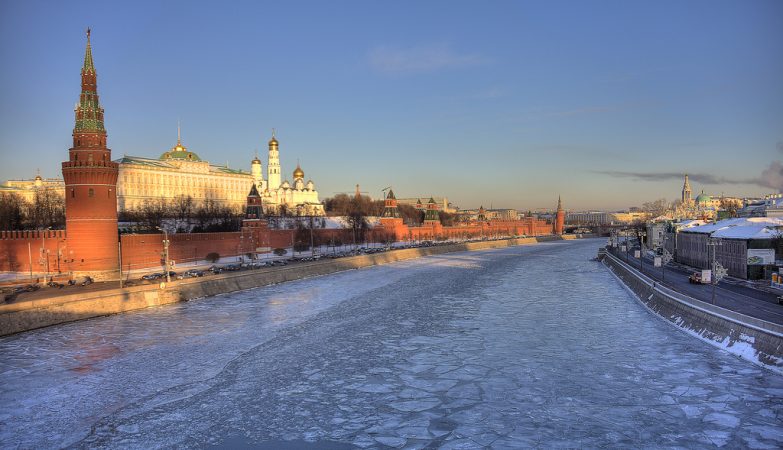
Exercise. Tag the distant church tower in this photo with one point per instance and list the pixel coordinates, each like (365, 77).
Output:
(559, 217)
(273, 166)
(686, 192)
(257, 171)
(90, 184)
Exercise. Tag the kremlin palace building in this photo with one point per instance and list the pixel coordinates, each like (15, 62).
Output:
(180, 172)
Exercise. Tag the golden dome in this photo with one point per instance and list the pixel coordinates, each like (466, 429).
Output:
(298, 173)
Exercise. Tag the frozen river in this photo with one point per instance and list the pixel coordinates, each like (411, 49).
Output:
(519, 347)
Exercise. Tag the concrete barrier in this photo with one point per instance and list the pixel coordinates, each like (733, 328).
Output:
(750, 338)
(28, 315)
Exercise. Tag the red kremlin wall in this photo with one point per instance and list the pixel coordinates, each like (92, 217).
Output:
(146, 250)
(18, 248)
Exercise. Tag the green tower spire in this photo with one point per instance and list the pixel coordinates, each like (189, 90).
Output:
(89, 114)
(432, 211)
(88, 64)
(390, 206)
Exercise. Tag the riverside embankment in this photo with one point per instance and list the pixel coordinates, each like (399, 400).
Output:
(28, 315)
(747, 337)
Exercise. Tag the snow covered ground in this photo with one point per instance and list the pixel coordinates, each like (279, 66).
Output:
(517, 347)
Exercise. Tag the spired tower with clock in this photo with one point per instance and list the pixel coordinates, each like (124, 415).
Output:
(90, 186)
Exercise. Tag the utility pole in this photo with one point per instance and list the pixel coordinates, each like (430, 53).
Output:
(312, 241)
(44, 253)
(641, 250)
(665, 256)
(119, 259)
(166, 252)
(30, 260)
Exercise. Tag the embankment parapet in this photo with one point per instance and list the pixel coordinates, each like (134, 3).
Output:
(748, 337)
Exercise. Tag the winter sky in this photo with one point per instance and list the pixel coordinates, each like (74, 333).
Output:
(509, 104)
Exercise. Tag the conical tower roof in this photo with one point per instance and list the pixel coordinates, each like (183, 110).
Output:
(391, 194)
(88, 64)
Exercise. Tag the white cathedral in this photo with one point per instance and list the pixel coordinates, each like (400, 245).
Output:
(299, 199)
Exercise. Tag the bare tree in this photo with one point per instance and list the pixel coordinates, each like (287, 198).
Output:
(183, 212)
(656, 208)
(12, 211)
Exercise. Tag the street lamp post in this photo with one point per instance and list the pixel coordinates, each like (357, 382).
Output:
(665, 256)
(44, 252)
(166, 253)
(641, 236)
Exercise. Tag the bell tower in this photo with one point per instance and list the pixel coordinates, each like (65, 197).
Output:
(273, 166)
(686, 192)
(90, 185)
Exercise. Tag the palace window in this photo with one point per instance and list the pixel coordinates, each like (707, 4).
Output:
(91, 192)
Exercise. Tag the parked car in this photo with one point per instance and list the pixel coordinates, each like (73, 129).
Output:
(192, 273)
(152, 276)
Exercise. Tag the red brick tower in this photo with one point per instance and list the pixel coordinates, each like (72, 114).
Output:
(254, 231)
(559, 217)
(390, 220)
(90, 185)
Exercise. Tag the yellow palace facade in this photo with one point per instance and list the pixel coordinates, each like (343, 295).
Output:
(176, 173)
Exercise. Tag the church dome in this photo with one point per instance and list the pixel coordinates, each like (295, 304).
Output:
(703, 198)
(179, 151)
(298, 173)
(273, 141)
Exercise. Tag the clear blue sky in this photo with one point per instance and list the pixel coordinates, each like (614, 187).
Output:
(502, 103)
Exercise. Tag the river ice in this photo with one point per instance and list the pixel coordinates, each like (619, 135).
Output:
(519, 347)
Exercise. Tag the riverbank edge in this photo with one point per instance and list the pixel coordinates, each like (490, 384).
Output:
(755, 340)
(29, 315)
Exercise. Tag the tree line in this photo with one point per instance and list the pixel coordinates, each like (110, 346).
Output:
(45, 210)
(357, 209)
(183, 215)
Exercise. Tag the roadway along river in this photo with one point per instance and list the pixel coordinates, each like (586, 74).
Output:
(520, 347)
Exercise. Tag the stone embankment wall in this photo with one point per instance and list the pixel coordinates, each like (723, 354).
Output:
(28, 315)
(747, 337)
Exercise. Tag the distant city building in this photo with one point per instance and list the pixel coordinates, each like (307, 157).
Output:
(593, 218)
(770, 206)
(442, 202)
(27, 189)
(746, 245)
